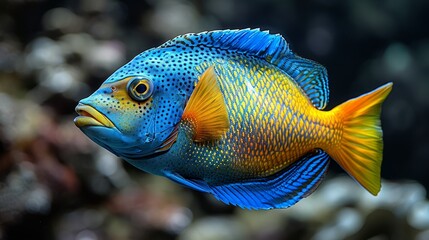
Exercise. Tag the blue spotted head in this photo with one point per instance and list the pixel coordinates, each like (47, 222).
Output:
(136, 111)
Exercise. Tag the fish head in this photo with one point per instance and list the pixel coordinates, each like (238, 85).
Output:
(135, 113)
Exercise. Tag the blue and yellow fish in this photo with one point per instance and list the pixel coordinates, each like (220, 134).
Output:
(237, 114)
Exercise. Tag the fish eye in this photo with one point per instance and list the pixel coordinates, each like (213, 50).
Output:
(140, 89)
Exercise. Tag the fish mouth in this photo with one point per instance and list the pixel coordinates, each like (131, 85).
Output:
(89, 116)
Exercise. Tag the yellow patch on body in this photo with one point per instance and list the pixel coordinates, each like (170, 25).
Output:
(272, 121)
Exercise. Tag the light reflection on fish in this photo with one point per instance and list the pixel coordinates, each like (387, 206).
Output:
(236, 114)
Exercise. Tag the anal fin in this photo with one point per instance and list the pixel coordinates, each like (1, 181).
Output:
(280, 190)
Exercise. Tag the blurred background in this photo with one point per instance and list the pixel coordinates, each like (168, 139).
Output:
(56, 184)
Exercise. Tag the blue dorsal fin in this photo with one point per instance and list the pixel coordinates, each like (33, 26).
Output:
(311, 77)
(280, 190)
(273, 48)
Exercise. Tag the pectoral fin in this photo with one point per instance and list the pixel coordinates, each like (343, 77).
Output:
(206, 111)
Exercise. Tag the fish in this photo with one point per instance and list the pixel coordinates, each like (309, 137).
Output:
(236, 114)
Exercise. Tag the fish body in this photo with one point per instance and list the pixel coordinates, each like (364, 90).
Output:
(265, 131)
(237, 114)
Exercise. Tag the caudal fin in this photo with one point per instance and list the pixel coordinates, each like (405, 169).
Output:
(360, 150)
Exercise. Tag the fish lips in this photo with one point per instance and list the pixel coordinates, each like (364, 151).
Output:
(98, 127)
(101, 130)
(89, 116)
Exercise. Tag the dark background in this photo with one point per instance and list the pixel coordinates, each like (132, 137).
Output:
(56, 184)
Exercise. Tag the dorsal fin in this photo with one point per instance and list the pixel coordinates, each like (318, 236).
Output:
(311, 77)
(273, 48)
(247, 41)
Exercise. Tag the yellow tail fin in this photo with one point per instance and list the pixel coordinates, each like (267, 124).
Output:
(360, 150)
